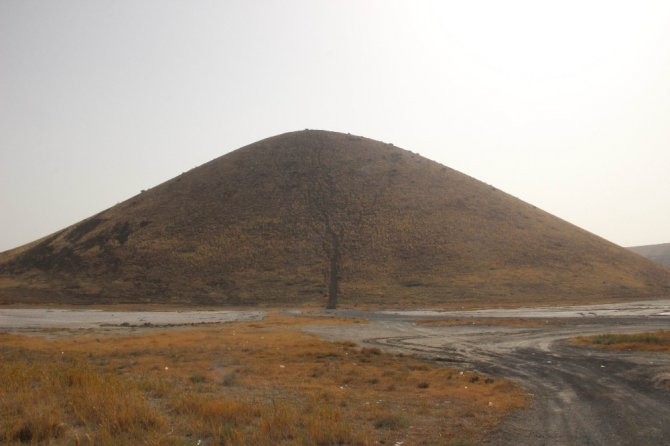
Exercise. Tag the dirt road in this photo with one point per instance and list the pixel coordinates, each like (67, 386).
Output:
(579, 396)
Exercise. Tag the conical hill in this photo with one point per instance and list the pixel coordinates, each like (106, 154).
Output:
(265, 224)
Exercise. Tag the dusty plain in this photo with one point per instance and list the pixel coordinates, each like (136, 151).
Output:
(257, 382)
(492, 377)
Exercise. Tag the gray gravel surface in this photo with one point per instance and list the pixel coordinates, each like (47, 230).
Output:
(34, 318)
(579, 396)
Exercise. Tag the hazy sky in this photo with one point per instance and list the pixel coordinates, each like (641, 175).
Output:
(565, 105)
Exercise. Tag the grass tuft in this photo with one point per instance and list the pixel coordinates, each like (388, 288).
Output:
(229, 379)
(197, 379)
(392, 422)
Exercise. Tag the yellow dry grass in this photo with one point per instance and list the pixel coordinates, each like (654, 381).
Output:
(658, 341)
(260, 383)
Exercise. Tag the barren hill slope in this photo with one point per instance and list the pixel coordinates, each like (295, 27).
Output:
(273, 221)
(657, 253)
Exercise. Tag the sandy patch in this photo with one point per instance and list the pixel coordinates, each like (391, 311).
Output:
(55, 318)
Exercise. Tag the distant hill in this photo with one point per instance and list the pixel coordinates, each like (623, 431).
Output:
(296, 217)
(657, 253)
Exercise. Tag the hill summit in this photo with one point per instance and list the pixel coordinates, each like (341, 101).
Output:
(323, 217)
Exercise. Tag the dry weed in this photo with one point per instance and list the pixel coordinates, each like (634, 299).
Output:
(658, 341)
(242, 384)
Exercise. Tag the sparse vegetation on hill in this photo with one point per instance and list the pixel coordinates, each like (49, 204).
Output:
(302, 216)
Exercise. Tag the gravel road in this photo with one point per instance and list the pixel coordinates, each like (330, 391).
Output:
(579, 396)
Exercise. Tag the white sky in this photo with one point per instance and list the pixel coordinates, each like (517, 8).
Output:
(565, 105)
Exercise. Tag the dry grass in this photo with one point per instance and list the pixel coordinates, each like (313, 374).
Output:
(45, 399)
(658, 341)
(244, 383)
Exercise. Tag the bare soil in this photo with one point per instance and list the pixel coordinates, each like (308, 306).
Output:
(26, 319)
(580, 396)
